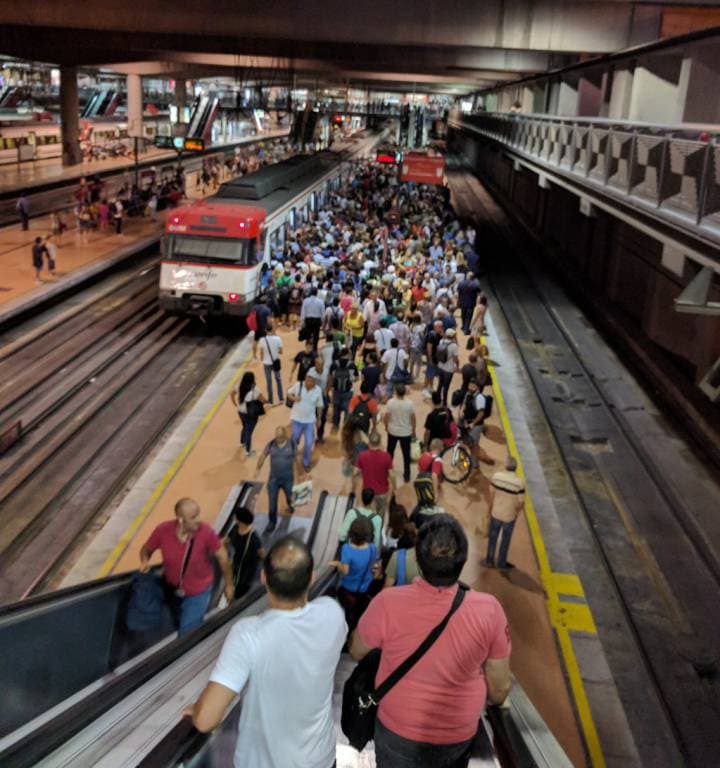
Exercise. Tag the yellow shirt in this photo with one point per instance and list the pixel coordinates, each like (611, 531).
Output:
(356, 324)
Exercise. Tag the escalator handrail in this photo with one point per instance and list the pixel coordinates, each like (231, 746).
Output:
(184, 741)
(54, 733)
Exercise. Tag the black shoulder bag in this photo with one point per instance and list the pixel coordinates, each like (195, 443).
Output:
(361, 697)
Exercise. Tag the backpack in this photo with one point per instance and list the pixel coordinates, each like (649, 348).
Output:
(342, 379)
(488, 406)
(360, 417)
(470, 412)
(401, 577)
(252, 322)
(295, 295)
(424, 489)
(442, 351)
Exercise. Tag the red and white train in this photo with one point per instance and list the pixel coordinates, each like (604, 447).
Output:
(214, 249)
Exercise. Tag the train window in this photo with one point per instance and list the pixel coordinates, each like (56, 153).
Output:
(292, 219)
(313, 201)
(213, 250)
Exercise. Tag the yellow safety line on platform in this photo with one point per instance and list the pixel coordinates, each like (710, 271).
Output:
(565, 617)
(567, 584)
(133, 528)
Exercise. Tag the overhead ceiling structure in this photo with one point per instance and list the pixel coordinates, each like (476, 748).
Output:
(447, 46)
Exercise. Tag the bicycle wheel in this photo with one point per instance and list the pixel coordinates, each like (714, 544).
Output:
(456, 463)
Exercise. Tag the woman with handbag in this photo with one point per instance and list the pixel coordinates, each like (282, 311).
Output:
(358, 568)
(250, 407)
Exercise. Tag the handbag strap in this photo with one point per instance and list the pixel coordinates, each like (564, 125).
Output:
(394, 677)
(186, 560)
(244, 555)
(272, 359)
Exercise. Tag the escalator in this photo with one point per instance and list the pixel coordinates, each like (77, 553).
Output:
(102, 102)
(202, 118)
(55, 645)
(132, 716)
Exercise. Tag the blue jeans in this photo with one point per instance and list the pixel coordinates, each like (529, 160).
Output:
(268, 381)
(393, 751)
(191, 611)
(299, 430)
(248, 426)
(496, 526)
(341, 403)
(284, 482)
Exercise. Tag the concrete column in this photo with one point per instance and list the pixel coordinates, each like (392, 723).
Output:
(527, 100)
(491, 102)
(656, 94)
(620, 93)
(134, 105)
(589, 98)
(69, 116)
(180, 93)
(567, 100)
(553, 98)
(540, 98)
(699, 76)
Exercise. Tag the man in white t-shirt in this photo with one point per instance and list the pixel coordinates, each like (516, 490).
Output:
(284, 660)
(307, 400)
(271, 348)
(394, 360)
(400, 424)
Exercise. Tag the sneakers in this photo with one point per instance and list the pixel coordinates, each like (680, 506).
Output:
(426, 393)
(291, 510)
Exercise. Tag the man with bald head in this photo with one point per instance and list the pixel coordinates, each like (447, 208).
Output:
(187, 546)
(284, 660)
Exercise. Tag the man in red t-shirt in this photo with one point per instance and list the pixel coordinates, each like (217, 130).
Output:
(431, 715)
(375, 467)
(187, 546)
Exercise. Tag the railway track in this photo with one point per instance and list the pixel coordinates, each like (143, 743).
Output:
(661, 620)
(87, 395)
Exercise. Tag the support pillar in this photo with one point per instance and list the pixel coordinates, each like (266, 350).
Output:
(620, 92)
(698, 83)
(567, 100)
(69, 116)
(134, 105)
(657, 92)
(180, 96)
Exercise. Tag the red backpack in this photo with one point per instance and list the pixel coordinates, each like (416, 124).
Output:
(252, 321)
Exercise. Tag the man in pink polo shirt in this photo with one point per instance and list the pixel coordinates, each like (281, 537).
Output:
(431, 716)
(188, 546)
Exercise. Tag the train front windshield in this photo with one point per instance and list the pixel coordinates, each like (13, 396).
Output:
(212, 250)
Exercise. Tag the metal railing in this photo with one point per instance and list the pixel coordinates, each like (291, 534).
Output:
(671, 171)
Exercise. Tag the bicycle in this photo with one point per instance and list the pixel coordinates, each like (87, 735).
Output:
(457, 461)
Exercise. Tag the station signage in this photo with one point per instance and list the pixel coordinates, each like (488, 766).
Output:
(179, 144)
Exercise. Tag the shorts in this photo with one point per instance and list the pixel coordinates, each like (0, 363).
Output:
(475, 433)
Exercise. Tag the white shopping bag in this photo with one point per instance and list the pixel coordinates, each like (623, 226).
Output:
(302, 493)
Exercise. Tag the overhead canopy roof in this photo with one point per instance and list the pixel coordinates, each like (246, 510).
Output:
(440, 45)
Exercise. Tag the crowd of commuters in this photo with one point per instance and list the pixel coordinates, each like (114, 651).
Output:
(382, 287)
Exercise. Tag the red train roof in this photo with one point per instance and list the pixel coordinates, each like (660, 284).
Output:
(211, 219)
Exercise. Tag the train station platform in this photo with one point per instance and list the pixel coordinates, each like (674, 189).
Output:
(43, 173)
(78, 259)
(202, 459)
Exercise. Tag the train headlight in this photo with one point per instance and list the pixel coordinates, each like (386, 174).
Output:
(233, 298)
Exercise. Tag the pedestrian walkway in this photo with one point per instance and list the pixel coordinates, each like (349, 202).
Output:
(211, 463)
(18, 176)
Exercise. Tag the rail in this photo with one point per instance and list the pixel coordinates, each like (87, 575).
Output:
(670, 172)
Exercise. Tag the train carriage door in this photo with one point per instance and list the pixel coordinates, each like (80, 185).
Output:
(292, 220)
(263, 246)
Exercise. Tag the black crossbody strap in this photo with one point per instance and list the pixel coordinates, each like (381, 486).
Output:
(394, 677)
(186, 560)
(272, 359)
